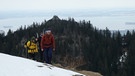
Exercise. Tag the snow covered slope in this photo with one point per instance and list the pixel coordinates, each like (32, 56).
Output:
(17, 66)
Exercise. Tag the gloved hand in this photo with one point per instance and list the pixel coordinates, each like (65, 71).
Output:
(53, 49)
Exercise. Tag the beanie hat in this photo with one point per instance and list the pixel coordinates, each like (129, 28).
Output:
(48, 30)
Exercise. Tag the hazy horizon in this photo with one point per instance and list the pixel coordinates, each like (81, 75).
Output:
(113, 19)
(67, 13)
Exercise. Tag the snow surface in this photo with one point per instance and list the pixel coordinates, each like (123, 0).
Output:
(17, 66)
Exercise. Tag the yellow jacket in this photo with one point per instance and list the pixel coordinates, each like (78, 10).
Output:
(32, 47)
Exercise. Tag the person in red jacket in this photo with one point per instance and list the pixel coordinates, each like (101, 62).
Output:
(47, 46)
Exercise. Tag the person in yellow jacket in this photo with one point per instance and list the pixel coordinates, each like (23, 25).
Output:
(32, 48)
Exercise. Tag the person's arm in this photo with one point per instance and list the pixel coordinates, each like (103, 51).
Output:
(53, 42)
(41, 43)
(28, 44)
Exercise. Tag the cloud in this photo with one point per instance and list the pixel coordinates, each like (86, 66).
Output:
(64, 4)
(1, 31)
(9, 27)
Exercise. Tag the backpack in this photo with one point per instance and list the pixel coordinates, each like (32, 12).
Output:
(25, 44)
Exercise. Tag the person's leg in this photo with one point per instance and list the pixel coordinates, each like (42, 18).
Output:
(41, 55)
(34, 56)
(49, 55)
(29, 55)
(46, 55)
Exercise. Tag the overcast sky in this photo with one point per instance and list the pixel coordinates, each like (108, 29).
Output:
(6, 5)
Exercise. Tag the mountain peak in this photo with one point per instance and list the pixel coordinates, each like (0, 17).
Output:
(55, 17)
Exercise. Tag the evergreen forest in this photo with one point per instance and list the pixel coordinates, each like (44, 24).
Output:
(79, 45)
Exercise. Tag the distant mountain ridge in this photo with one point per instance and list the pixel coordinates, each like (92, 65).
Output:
(123, 32)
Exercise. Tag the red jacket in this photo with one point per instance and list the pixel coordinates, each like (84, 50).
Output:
(47, 41)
